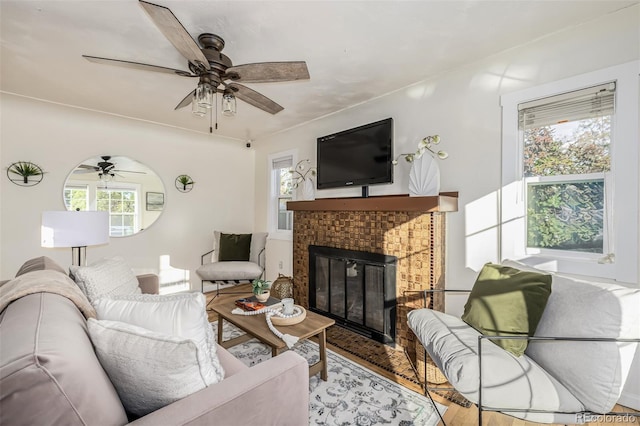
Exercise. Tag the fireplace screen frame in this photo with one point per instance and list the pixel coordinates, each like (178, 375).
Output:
(379, 329)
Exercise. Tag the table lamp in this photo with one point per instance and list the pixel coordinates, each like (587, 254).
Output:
(76, 229)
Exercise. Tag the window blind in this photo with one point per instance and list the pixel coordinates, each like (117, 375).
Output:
(592, 102)
(282, 163)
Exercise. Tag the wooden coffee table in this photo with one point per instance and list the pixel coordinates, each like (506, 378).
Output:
(313, 327)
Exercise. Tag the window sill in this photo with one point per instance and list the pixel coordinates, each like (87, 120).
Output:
(281, 236)
(572, 266)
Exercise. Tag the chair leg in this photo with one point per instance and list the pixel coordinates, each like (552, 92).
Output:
(219, 293)
(214, 297)
(435, 407)
(426, 389)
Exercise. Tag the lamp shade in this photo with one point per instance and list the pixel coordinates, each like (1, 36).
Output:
(74, 228)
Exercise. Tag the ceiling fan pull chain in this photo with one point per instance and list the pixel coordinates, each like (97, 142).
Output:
(211, 120)
(216, 102)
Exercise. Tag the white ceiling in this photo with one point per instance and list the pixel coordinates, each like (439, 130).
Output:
(355, 50)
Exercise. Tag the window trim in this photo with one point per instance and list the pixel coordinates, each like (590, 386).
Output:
(272, 203)
(625, 176)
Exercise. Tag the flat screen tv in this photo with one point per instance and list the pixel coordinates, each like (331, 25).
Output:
(356, 157)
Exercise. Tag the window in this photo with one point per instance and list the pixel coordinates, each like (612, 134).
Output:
(122, 207)
(76, 197)
(122, 203)
(566, 143)
(569, 197)
(280, 219)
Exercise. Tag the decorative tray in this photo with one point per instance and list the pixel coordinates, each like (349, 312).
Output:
(290, 321)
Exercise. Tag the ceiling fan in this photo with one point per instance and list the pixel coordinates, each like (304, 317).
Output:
(103, 168)
(215, 71)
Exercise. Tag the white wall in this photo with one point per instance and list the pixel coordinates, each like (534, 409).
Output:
(463, 106)
(57, 138)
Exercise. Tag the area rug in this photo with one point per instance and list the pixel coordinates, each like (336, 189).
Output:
(352, 395)
(397, 363)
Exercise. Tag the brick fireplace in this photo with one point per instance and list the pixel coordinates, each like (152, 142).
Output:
(409, 228)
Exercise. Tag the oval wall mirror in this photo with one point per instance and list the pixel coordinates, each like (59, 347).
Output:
(131, 192)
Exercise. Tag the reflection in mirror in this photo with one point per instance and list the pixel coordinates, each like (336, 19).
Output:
(118, 185)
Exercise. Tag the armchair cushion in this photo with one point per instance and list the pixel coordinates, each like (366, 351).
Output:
(507, 382)
(234, 247)
(588, 308)
(507, 301)
(233, 270)
(258, 244)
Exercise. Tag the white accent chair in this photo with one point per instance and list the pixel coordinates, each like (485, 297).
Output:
(234, 271)
(575, 365)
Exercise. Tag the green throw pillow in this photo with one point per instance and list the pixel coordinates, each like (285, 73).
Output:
(234, 247)
(507, 301)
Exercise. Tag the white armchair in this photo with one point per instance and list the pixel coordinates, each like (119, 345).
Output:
(218, 271)
(575, 365)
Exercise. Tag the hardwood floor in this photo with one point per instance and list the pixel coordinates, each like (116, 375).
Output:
(455, 414)
(460, 416)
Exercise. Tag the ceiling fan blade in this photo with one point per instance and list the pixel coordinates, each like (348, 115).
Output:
(127, 171)
(254, 98)
(186, 101)
(137, 66)
(173, 30)
(80, 171)
(85, 168)
(264, 72)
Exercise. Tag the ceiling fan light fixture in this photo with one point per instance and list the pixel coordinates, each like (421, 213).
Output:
(105, 178)
(228, 104)
(197, 109)
(204, 95)
(213, 68)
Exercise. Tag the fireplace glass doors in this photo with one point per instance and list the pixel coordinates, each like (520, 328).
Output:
(355, 288)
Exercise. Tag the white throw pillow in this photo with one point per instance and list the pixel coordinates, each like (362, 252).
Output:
(106, 277)
(182, 315)
(149, 370)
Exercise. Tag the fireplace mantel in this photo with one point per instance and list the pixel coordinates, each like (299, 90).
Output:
(445, 202)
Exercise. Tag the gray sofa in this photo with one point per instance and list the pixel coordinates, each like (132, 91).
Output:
(49, 373)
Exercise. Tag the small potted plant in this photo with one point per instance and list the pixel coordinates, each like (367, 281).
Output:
(25, 169)
(424, 176)
(424, 145)
(261, 289)
(184, 183)
(303, 174)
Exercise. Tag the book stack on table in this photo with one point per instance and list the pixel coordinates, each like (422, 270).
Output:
(252, 304)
